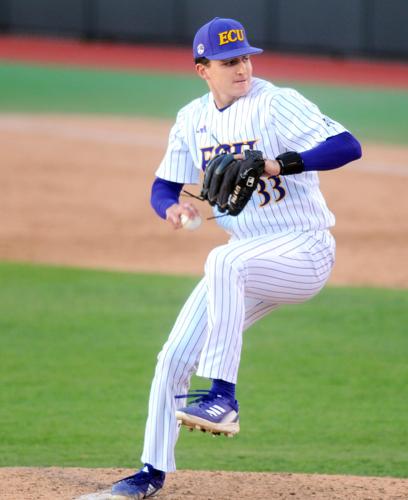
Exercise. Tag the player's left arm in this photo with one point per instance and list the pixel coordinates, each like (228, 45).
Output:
(336, 151)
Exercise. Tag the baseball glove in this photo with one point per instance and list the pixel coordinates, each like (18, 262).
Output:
(229, 183)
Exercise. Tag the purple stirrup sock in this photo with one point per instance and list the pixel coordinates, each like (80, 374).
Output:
(223, 388)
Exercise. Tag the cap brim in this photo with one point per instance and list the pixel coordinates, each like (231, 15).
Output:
(242, 51)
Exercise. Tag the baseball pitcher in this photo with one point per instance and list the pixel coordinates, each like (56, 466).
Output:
(260, 148)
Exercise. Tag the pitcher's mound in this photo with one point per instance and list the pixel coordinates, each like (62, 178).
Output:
(93, 484)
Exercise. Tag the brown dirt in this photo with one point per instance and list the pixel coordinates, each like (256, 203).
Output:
(75, 191)
(68, 483)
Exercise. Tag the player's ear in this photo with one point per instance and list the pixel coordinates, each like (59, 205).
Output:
(201, 70)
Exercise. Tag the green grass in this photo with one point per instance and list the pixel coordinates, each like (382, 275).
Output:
(377, 115)
(63, 89)
(322, 386)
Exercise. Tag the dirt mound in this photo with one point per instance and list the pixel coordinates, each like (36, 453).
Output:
(69, 483)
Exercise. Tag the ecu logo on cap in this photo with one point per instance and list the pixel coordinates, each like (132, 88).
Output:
(231, 36)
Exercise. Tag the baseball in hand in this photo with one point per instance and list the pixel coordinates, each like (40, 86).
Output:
(190, 224)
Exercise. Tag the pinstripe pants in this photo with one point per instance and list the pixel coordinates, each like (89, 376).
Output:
(244, 280)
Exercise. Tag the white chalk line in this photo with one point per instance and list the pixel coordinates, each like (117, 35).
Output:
(33, 125)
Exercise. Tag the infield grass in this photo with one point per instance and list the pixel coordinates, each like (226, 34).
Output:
(322, 386)
(372, 114)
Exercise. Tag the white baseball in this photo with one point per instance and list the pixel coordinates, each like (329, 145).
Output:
(190, 224)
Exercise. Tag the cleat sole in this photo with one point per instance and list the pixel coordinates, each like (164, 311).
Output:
(191, 422)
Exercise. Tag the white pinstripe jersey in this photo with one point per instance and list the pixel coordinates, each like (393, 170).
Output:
(273, 120)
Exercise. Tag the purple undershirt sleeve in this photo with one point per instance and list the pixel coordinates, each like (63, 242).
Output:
(164, 194)
(334, 152)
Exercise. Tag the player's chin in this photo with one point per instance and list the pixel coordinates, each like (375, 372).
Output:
(241, 87)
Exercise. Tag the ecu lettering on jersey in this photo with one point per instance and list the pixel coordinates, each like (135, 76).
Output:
(207, 153)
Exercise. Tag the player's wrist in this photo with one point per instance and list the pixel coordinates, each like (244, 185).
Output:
(272, 168)
(290, 163)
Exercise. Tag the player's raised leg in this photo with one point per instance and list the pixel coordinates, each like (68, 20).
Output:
(273, 270)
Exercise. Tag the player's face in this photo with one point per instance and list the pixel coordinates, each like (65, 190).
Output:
(228, 80)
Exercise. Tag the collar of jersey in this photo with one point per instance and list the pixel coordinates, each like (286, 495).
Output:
(225, 107)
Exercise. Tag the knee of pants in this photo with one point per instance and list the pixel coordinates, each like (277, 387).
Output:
(173, 360)
(221, 259)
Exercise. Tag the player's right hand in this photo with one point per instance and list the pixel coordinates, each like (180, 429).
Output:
(174, 212)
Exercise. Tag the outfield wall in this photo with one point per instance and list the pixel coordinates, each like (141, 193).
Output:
(370, 28)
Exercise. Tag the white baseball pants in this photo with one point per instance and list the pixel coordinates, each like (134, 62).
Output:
(244, 280)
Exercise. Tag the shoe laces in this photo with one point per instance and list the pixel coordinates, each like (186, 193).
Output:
(201, 396)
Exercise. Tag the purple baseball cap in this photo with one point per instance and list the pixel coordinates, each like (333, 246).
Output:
(222, 39)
